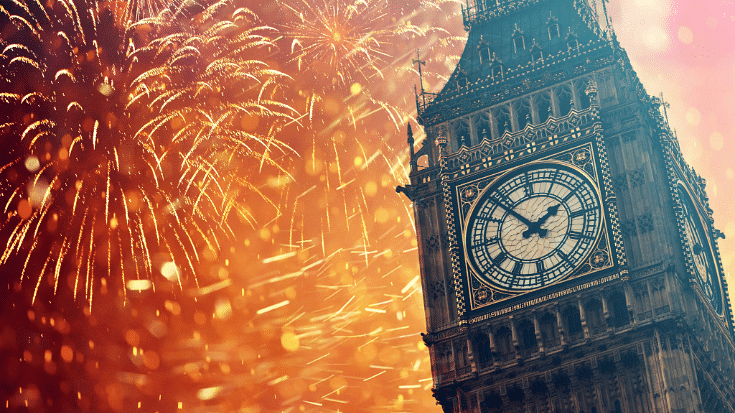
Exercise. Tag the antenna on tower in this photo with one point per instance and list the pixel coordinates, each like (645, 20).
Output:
(607, 18)
(420, 62)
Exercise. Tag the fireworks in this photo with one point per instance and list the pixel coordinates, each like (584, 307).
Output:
(314, 309)
(337, 42)
(123, 142)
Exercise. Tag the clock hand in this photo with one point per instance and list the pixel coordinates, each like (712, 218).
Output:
(550, 212)
(510, 210)
(697, 249)
(536, 226)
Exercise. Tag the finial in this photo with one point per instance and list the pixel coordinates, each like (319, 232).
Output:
(409, 139)
(441, 142)
(420, 62)
(591, 91)
(665, 105)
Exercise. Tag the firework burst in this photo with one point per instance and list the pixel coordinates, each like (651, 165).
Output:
(130, 11)
(123, 143)
(338, 42)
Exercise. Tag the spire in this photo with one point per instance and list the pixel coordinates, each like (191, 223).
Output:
(412, 157)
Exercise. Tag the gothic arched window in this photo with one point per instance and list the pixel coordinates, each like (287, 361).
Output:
(522, 109)
(537, 56)
(519, 43)
(572, 43)
(573, 322)
(460, 133)
(619, 309)
(564, 99)
(496, 68)
(549, 334)
(444, 364)
(481, 125)
(485, 55)
(643, 302)
(660, 304)
(552, 27)
(581, 89)
(504, 343)
(595, 316)
(542, 103)
(501, 117)
(528, 337)
(462, 361)
(481, 345)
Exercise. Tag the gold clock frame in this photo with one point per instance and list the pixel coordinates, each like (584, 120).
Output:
(594, 243)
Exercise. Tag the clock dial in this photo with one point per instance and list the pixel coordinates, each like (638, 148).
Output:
(533, 226)
(699, 247)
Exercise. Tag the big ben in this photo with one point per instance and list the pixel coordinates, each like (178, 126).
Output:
(568, 255)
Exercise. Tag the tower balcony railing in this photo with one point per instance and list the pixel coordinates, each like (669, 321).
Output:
(487, 9)
(446, 376)
(461, 371)
(598, 329)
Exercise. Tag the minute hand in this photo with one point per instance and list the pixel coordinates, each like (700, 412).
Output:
(510, 210)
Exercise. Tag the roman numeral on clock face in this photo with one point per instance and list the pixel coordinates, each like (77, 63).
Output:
(527, 186)
(573, 191)
(578, 235)
(499, 258)
(517, 268)
(578, 213)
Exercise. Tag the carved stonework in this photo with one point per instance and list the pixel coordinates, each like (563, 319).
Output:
(542, 96)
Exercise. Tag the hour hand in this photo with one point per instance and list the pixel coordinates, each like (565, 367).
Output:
(535, 227)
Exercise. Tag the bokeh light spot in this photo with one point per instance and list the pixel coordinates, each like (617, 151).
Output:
(223, 309)
(685, 35)
(67, 354)
(32, 164)
(105, 89)
(132, 337)
(290, 341)
(382, 215)
(151, 360)
(200, 318)
(371, 188)
(250, 121)
(208, 393)
(693, 116)
(139, 285)
(716, 141)
(24, 209)
(169, 270)
(355, 89)
(331, 106)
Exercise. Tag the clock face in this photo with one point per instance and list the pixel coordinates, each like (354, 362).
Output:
(533, 226)
(700, 249)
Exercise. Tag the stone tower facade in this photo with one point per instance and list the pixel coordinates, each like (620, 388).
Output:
(568, 255)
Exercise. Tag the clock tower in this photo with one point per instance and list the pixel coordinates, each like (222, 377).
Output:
(568, 256)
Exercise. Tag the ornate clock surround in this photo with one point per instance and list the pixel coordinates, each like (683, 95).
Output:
(574, 140)
(691, 219)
